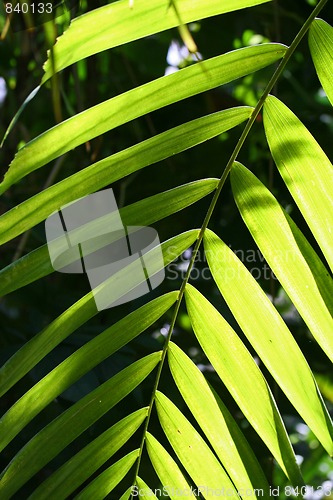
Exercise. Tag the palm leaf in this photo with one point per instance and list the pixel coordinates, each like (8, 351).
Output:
(107, 480)
(240, 374)
(283, 247)
(115, 167)
(40, 345)
(305, 169)
(200, 463)
(269, 335)
(219, 427)
(70, 424)
(80, 467)
(321, 47)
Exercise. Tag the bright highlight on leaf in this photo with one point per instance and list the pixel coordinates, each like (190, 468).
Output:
(220, 428)
(79, 468)
(290, 258)
(116, 24)
(191, 449)
(267, 332)
(242, 377)
(80, 312)
(321, 47)
(53, 438)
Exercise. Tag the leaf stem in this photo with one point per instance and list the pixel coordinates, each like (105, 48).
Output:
(233, 157)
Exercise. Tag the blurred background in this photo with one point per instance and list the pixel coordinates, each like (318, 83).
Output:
(25, 312)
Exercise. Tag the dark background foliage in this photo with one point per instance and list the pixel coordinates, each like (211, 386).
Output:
(26, 311)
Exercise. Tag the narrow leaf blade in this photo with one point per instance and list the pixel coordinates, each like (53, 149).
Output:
(116, 24)
(79, 313)
(286, 252)
(244, 470)
(269, 335)
(321, 48)
(37, 264)
(142, 490)
(113, 168)
(100, 487)
(137, 102)
(166, 468)
(79, 468)
(78, 364)
(64, 429)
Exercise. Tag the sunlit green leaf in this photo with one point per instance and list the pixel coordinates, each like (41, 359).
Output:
(79, 468)
(244, 469)
(305, 169)
(321, 47)
(242, 377)
(142, 490)
(79, 313)
(197, 458)
(100, 487)
(116, 24)
(77, 364)
(55, 436)
(113, 168)
(127, 494)
(172, 479)
(287, 253)
(37, 264)
(125, 107)
(268, 333)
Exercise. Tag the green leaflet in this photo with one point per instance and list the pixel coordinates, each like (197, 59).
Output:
(321, 48)
(116, 24)
(37, 263)
(195, 455)
(64, 429)
(80, 467)
(305, 169)
(115, 167)
(143, 491)
(166, 468)
(268, 333)
(80, 362)
(291, 258)
(100, 487)
(79, 313)
(221, 430)
(242, 377)
(139, 101)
